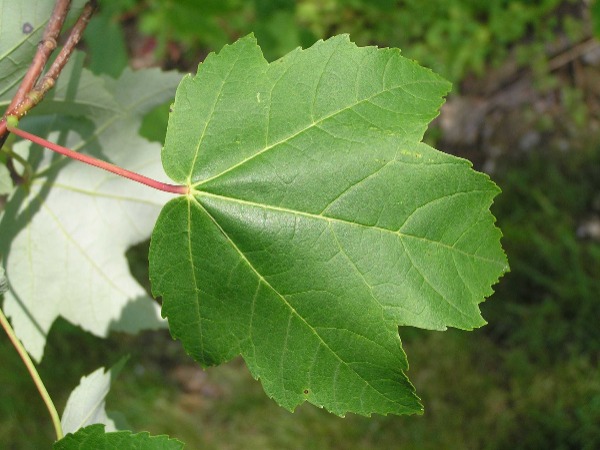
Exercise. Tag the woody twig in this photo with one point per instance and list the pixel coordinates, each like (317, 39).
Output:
(31, 93)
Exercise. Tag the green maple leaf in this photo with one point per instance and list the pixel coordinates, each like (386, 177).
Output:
(95, 437)
(318, 222)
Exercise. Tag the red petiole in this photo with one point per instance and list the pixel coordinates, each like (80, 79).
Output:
(172, 188)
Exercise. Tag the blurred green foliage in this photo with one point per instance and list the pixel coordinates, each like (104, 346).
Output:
(595, 9)
(453, 37)
(550, 302)
(479, 395)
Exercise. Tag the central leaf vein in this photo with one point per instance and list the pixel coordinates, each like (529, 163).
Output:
(195, 281)
(400, 234)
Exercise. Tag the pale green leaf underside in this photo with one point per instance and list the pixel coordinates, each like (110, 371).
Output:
(3, 282)
(95, 437)
(86, 403)
(319, 222)
(6, 185)
(64, 237)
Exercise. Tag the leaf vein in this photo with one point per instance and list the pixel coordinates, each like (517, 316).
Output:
(430, 284)
(291, 308)
(209, 118)
(342, 221)
(285, 139)
(196, 291)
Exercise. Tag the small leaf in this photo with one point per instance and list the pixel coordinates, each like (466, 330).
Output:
(318, 222)
(86, 403)
(94, 437)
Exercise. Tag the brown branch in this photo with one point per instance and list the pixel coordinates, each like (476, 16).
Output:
(573, 53)
(44, 50)
(35, 95)
(27, 95)
(72, 41)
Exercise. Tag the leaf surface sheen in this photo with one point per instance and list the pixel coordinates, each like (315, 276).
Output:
(318, 222)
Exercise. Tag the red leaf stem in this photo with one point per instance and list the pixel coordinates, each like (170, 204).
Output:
(172, 188)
